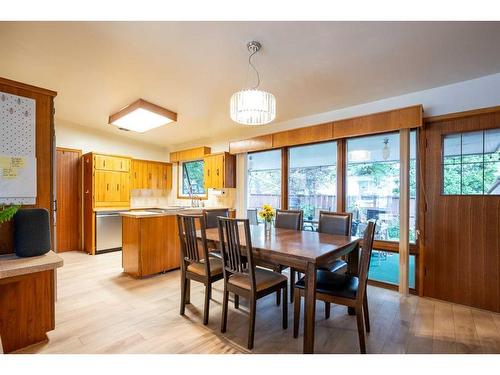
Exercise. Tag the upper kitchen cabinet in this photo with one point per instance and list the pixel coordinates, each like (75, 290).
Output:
(106, 180)
(151, 175)
(220, 171)
(112, 163)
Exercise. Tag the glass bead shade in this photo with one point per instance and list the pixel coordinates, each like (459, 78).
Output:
(253, 107)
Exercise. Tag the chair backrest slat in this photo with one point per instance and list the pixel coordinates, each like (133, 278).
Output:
(212, 215)
(364, 264)
(335, 223)
(189, 242)
(289, 219)
(237, 259)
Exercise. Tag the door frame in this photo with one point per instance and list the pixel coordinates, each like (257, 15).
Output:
(80, 194)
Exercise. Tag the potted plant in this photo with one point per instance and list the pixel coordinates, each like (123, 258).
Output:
(7, 212)
(267, 214)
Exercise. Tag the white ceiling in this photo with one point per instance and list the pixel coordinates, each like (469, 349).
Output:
(192, 68)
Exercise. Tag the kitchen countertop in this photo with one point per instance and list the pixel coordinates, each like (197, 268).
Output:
(168, 212)
(104, 209)
(12, 265)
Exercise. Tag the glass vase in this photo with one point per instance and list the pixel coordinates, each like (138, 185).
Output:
(267, 227)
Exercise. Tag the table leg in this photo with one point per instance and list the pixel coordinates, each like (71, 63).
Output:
(353, 267)
(309, 308)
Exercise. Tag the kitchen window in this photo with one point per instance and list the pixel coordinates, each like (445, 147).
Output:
(191, 175)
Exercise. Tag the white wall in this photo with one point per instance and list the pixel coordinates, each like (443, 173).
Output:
(87, 139)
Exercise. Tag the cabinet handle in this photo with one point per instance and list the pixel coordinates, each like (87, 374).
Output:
(208, 171)
(104, 163)
(107, 186)
(217, 171)
(117, 186)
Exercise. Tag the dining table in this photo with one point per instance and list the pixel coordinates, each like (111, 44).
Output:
(303, 251)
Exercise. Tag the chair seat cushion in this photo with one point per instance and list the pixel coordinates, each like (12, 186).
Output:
(337, 265)
(199, 268)
(335, 284)
(264, 279)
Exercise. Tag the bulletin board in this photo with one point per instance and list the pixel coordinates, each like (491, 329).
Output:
(17, 149)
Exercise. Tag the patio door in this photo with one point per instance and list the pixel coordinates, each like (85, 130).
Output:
(462, 210)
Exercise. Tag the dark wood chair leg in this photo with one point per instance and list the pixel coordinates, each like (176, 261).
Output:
(207, 303)
(366, 314)
(225, 301)
(361, 330)
(292, 283)
(183, 293)
(188, 291)
(296, 312)
(236, 301)
(251, 324)
(327, 310)
(285, 307)
(278, 293)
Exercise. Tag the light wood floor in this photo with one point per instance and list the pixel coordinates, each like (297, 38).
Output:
(102, 310)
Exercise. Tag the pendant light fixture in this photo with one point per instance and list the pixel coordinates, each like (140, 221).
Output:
(253, 106)
(386, 151)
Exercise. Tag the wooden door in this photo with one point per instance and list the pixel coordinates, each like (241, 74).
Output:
(68, 191)
(462, 232)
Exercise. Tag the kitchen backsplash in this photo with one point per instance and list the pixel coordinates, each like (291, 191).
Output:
(149, 198)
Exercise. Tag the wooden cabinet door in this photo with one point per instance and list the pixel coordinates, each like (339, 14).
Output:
(135, 175)
(113, 180)
(122, 164)
(152, 173)
(207, 171)
(99, 187)
(218, 172)
(165, 179)
(124, 187)
(103, 162)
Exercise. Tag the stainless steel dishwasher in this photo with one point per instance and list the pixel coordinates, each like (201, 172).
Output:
(108, 231)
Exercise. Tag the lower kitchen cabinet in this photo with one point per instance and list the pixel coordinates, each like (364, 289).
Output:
(150, 245)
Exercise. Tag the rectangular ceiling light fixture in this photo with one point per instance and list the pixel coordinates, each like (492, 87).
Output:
(141, 116)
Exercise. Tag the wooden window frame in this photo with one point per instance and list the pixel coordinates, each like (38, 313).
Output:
(443, 136)
(389, 246)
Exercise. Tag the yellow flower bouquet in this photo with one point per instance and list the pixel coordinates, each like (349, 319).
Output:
(267, 213)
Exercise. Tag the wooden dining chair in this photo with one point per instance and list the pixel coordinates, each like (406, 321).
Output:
(343, 289)
(242, 277)
(288, 219)
(196, 263)
(252, 216)
(210, 217)
(336, 223)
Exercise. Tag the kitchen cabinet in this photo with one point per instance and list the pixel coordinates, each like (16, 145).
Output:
(106, 180)
(151, 175)
(220, 171)
(112, 163)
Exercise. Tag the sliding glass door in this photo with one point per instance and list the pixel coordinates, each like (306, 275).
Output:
(312, 180)
(264, 179)
(372, 193)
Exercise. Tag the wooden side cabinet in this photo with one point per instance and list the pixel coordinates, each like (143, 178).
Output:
(106, 180)
(220, 171)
